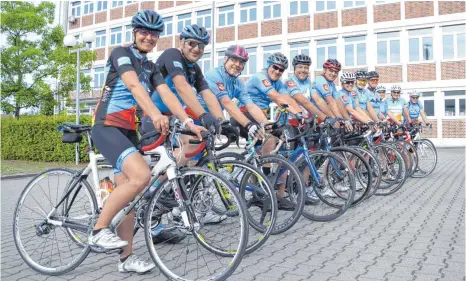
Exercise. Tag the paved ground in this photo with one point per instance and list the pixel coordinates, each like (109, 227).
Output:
(416, 234)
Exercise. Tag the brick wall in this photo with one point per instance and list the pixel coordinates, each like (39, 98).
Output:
(164, 43)
(116, 13)
(451, 7)
(147, 5)
(271, 27)
(419, 9)
(387, 12)
(110, 49)
(354, 16)
(100, 53)
(165, 4)
(453, 128)
(299, 24)
(76, 24)
(181, 3)
(430, 133)
(132, 9)
(421, 72)
(246, 31)
(453, 70)
(88, 20)
(225, 34)
(101, 17)
(177, 41)
(390, 74)
(325, 20)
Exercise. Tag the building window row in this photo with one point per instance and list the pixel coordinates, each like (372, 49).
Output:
(87, 7)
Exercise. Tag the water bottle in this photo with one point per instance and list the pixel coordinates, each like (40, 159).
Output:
(156, 230)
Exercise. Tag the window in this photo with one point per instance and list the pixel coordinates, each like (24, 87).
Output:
(421, 46)
(455, 103)
(117, 4)
(429, 104)
(297, 48)
(128, 30)
(388, 47)
(454, 41)
(325, 5)
(88, 7)
(100, 39)
(204, 18)
(76, 8)
(226, 15)
(272, 10)
(183, 20)
(351, 4)
(268, 50)
(115, 36)
(204, 63)
(99, 77)
(101, 6)
(220, 56)
(130, 2)
(168, 30)
(250, 67)
(326, 49)
(299, 7)
(355, 51)
(248, 12)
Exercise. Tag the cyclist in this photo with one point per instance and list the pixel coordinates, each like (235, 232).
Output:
(395, 105)
(131, 76)
(414, 108)
(383, 102)
(363, 94)
(325, 86)
(349, 97)
(225, 84)
(374, 100)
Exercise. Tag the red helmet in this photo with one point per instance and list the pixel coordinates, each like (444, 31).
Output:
(332, 63)
(237, 52)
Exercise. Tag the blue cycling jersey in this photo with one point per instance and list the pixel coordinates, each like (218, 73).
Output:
(348, 98)
(374, 99)
(414, 109)
(383, 107)
(259, 85)
(296, 86)
(324, 87)
(363, 97)
(224, 85)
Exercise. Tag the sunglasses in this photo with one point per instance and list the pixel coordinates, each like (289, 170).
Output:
(349, 82)
(280, 69)
(415, 98)
(395, 93)
(194, 44)
(145, 32)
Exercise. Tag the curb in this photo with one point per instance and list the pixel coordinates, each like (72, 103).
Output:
(18, 176)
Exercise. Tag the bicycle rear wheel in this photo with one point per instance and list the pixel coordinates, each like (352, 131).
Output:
(49, 248)
(394, 172)
(427, 155)
(376, 171)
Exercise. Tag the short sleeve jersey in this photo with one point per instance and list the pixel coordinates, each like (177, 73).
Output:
(224, 85)
(414, 109)
(374, 99)
(383, 107)
(348, 98)
(396, 107)
(259, 85)
(324, 87)
(297, 86)
(363, 97)
(172, 63)
(117, 106)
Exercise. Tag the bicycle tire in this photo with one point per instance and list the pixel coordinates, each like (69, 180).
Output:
(391, 185)
(375, 166)
(431, 145)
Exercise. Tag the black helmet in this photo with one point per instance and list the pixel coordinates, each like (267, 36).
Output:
(148, 19)
(301, 59)
(372, 74)
(361, 74)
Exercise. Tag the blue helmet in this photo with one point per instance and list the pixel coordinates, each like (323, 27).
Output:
(278, 58)
(197, 32)
(148, 19)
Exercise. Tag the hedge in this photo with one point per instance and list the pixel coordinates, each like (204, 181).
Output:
(37, 138)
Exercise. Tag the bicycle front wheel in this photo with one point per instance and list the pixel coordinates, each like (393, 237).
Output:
(394, 171)
(427, 156)
(207, 251)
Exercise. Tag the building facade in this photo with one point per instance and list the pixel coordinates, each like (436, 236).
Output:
(416, 44)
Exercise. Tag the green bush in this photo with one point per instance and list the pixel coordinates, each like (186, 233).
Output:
(36, 138)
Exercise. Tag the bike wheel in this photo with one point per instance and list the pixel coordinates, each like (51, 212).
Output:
(427, 155)
(394, 172)
(376, 171)
(49, 248)
(208, 252)
(360, 169)
(331, 181)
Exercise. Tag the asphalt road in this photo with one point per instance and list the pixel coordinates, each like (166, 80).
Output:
(416, 234)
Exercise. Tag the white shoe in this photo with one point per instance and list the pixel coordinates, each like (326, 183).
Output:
(134, 264)
(107, 240)
(212, 218)
(329, 193)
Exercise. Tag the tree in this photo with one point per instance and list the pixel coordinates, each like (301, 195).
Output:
(34, 55)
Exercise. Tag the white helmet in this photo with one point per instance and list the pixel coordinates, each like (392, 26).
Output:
(414, 93)
(347, 76)
(380, 88)
(395, 88)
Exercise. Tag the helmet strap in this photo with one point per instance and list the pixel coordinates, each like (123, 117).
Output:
(224, 66)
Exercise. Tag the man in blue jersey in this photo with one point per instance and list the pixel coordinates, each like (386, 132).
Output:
(374, 100)
(364, 96)
(349, 98)
(383, 102)
(324, 85)
(413, 109)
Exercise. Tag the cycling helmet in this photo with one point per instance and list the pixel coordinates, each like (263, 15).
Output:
(347, 76)
(301, 59)
(414, 93)
(380, 88)
(237, 52)
(395, 88)
(197, 32)
(148, 19)
(332, 63)
(361, 74)
(372, 74)
(278, 58)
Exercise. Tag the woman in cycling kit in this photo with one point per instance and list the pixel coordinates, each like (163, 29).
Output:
(131, 77)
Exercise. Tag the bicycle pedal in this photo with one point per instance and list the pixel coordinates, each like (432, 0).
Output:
(113, 251)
